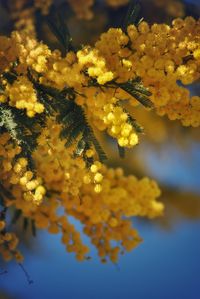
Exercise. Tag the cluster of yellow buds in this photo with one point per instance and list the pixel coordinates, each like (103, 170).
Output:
(161, 55)
(22, 95)
(94, 176)
(96, 65)
(7, 153)
(31, 53)
(8, 244)
(118, 127)
(33, 190)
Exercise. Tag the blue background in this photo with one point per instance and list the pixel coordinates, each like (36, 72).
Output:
(165, 266)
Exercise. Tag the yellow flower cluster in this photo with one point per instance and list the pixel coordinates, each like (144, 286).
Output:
(8, 241)
(31, 53)
(16, 175)
(8, 245)
(7, 153)
(101, 198)
(62, 72)
(22, 95)
(95, 64)
(109, 116)
(94, 176)
(32, 189)
(69, 71)
(101, 204)
(116, 119)
(75, 70)
(112, 45)
(162, 56)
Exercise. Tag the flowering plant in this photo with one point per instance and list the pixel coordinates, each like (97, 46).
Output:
(53, 104)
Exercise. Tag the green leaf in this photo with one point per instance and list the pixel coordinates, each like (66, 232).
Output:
(79, 126)
(137, 84)
(10, 77)
(1, 89)
(137, 92)
(33, 228)
(81, 145)
(71, 116)
(59, 29)
(73, 135)
(132, 16)
(16, 216)
(23, 130)
(25, 223)
(132, 121)
(5, 193)
(92, 139)
(1, 200)
(121, 151)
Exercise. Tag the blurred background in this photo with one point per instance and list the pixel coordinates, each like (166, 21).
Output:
(167, 264)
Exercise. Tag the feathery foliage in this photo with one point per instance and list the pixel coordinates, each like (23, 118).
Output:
(132, 15)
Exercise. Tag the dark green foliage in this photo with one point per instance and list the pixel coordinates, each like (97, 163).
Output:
(59, 28)
(121, 151)
(137, 84)
(138, 91)
(132, 121)
(133, 15)
(81, 146)
(4, 193)
(133, 87)
(1, 89)
(33, 228)
(75, 127)
(23, 130)
(17, 214)
(25, 223)
(10, 77)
